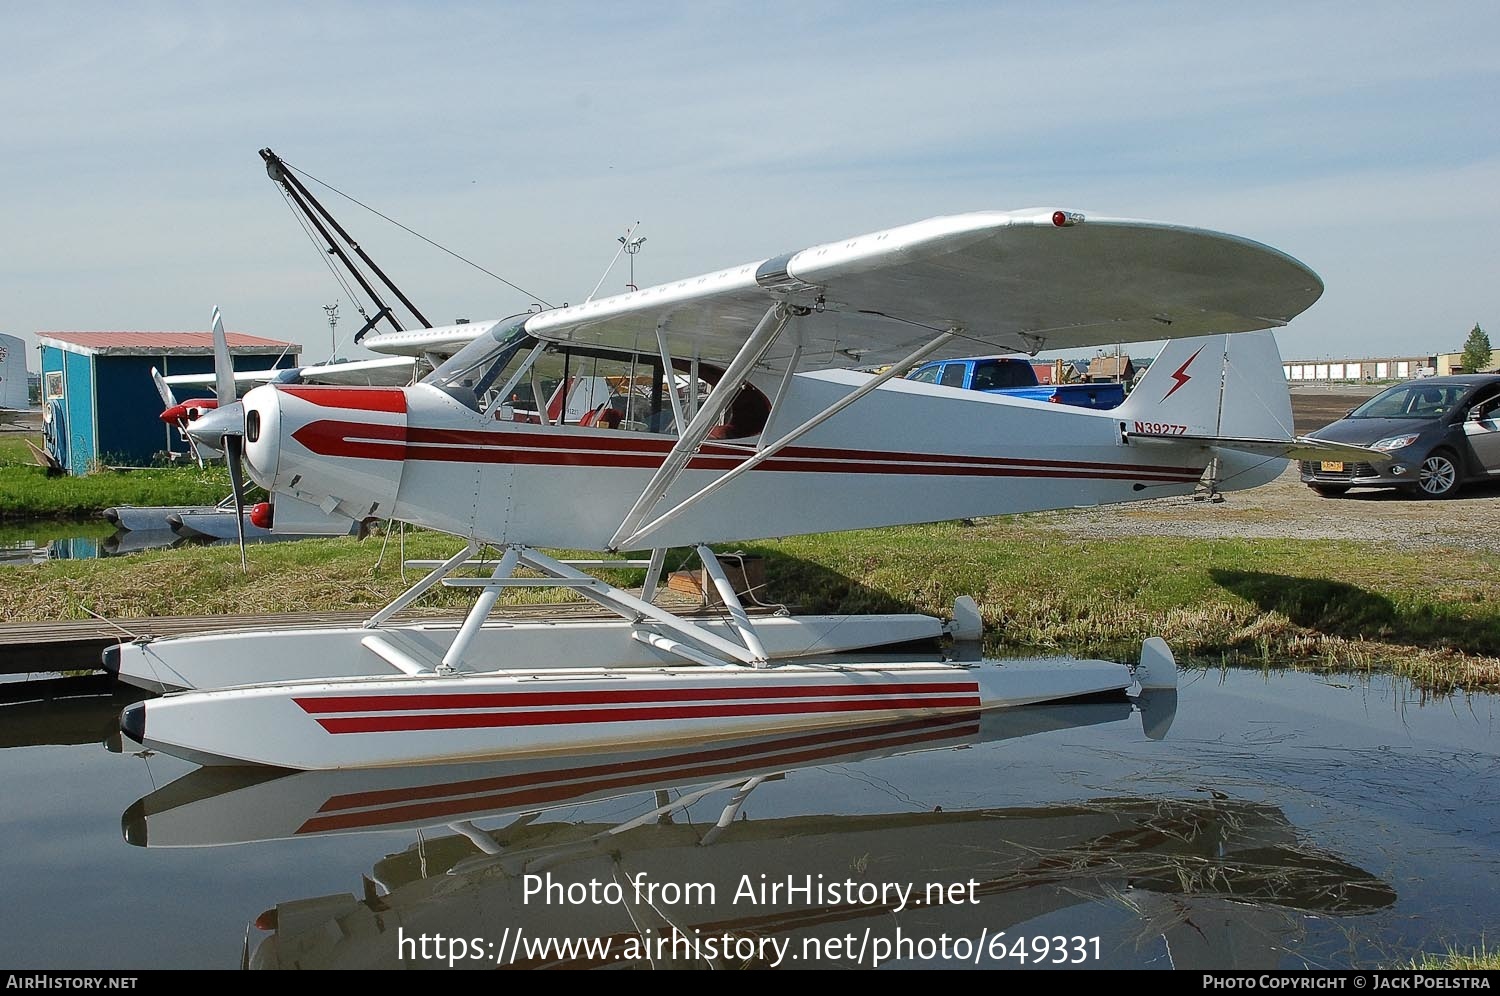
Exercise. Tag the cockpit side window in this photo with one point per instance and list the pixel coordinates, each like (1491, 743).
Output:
(587, 386)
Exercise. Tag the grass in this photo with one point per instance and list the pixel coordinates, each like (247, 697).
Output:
(27, 492)
(308, 575)
(1476, 959)
(13, 448)
(1432, 616)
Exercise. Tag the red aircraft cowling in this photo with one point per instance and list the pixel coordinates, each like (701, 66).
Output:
(186, 411)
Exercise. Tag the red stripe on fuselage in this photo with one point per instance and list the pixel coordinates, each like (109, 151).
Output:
(616, 450)
(371, 441)
(365, 399)
(615, 442)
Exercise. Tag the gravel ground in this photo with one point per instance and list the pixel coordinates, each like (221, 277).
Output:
(1288, 509)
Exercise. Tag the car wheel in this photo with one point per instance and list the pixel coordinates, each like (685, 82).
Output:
(1330, 490)
(1438, 476)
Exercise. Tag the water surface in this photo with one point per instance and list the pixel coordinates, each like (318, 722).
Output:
(1287, 820)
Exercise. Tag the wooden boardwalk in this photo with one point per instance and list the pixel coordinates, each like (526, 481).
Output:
(75, 644)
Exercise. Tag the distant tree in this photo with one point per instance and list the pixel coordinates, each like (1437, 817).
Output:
(1477, 354)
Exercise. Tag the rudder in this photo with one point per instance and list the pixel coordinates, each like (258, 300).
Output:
(1219, 385)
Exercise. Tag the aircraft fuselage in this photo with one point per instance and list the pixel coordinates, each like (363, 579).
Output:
(906, 453)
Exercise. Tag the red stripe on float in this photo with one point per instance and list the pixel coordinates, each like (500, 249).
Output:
(541, 788)
(412, 722)
(606, 696)
(828, 742)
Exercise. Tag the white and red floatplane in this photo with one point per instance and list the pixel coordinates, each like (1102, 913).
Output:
(721, 408)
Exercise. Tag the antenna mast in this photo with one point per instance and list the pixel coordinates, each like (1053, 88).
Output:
(333, 328)
(631, 247)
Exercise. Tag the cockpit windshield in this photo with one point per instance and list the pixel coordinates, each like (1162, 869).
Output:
(473, 371)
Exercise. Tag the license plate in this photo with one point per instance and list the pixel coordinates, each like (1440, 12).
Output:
(1336, 466)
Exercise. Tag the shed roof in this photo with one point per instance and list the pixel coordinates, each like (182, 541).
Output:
(163, 343)
(1111, 366)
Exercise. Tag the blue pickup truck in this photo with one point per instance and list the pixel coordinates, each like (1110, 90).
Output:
(1015, 377)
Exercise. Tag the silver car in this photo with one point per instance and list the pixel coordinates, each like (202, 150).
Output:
(1440, 431)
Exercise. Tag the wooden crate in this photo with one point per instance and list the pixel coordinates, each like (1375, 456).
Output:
(749, 581)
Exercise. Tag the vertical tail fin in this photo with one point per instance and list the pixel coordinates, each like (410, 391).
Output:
(1219, 385)
(1222, 387)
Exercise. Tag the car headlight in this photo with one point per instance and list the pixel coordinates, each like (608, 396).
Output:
(1394, 442)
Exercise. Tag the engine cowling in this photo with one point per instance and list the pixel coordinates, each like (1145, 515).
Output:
(340, 448)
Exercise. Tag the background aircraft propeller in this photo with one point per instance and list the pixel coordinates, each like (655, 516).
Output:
(177, 414)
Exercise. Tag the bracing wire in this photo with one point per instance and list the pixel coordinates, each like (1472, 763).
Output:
(612, 261)
(409, 231)
(605, 275)
(323, 255)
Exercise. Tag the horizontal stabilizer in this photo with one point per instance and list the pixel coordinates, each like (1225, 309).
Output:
(1300, 448)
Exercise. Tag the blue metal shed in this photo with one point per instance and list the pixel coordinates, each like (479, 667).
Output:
(99, 403)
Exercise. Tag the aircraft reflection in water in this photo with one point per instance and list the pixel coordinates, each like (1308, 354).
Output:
(1225, 883)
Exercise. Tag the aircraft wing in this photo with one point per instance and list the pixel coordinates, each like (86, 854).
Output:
(381, 371)
(241, 378)
(1019, 281)
(439, 342)
(390, 371)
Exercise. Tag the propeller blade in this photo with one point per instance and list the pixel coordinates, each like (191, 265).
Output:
(234, 447)
(170, 400)
(163, 388)
(223, 362)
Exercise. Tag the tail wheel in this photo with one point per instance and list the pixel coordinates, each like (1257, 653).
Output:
(1438, 476)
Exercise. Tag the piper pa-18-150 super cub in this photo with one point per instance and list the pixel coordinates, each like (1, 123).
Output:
(728, 409)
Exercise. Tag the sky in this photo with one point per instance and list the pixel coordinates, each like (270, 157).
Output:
(1361, 138)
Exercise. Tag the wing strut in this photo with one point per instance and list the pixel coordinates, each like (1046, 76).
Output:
(671, 375)
(417, 590)
(630, 607)
(760, 340)
(653, 574)
(731, 602)
(626, 542)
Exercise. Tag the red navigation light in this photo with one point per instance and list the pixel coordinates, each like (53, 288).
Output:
(261, 515)
(1059, 218)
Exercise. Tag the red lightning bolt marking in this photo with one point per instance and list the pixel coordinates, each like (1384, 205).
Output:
(1181, 376)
